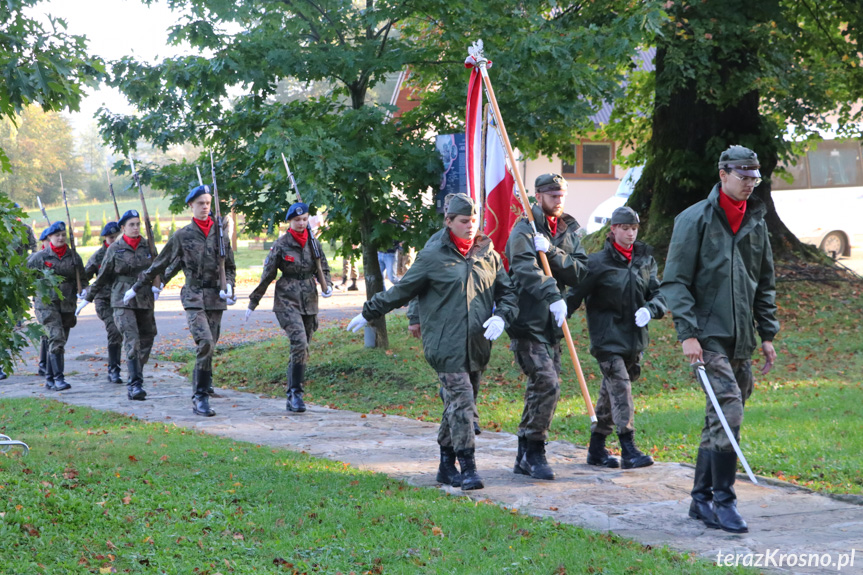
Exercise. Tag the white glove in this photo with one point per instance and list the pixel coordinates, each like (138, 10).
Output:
(128, 296)
(83, 294)
(328, 292)
(248, 313)
(642, 316)
(81, 305)
(156, 292)
(226, 293)
(494, 327)
(541, 243)
(558, 310)
(357, 323)
(231, 301)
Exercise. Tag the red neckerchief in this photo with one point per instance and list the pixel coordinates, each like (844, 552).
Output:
(627, 253)
(463, 246)
(301, 237)
(552, 225)
(61, 251)
(733, 209)
(105, 243)
(133, 242)
(205, 225)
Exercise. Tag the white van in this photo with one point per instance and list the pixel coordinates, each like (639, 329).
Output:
(600, 216)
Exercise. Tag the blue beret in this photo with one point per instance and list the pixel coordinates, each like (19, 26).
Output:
(58, 226)
(17, 205)
(43, 236)
(127, 216)
(110, 229)
(200, 190)
(297, 209)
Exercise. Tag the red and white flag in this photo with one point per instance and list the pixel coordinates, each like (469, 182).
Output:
(473, 132)
(502, 208)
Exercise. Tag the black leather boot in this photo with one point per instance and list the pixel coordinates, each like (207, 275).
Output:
(598, 455)
(447, 472)
(201, 400)
(533, 461)
(49, 375)
(630, 455)
(114, 355)
(43, 356)
(522, 442)
(57, 362)
(723, 467)
(135, 389)
(470, 479)
(701, 507)
(296, 377)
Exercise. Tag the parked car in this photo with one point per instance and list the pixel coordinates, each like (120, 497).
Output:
(600, 216)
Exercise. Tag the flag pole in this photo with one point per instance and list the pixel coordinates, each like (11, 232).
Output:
(482, 63)
(482, 155)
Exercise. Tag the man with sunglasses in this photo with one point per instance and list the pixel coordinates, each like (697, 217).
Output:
(720, 286)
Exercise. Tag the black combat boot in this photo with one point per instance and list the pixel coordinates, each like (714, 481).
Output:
(114, 355)
(2, 374)
(522, 442)
(49, 375)
(353, 286)
(296, 376)
(43, 358)
(447, 472)
(57, 362)
(598, 455)
(701, 507)
(631, 456)
(723, 467)
(476, 428)
(533, 461)
(135, 389)
(470, 479)
(201, 401)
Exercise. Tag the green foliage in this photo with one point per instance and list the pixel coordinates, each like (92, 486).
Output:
(104, 219)
(157, 229)
(88, 230)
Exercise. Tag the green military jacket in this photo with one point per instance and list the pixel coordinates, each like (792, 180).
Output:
(613, 291)
(296, 288)
(720, 285)
(91, 270)
(456, 295)
(64, 268)
(119, 271)
(536, 291)
(197, 256)
(30, 247)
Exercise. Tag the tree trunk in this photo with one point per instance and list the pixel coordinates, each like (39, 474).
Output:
(373, 276)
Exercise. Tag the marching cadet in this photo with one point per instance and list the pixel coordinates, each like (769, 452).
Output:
(22, 249)
(58, 315)
(296, 299)
(720, 285)
(536, 332)
(621, 294)
(195, 249)
(465, 299)
(103, 302)
(127, 257)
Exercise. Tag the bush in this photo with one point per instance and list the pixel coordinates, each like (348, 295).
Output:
(157, 229)
(173, 229)
(88, 231)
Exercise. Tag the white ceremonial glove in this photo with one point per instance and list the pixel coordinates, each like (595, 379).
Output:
(81, 305)
(248, 313)
(558, 310)
(328, 292)
(642, 316)
(541, 243)
(226, 293)
(83, 294)
(156, 292)
(357, 323)
(128, 296)
(231, 301)
(494, 327)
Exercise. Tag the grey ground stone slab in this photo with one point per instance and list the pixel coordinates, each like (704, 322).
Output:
(647, 505)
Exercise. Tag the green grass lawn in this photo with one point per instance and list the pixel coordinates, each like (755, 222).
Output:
(105, 493)
(802, 422)
(78, 210)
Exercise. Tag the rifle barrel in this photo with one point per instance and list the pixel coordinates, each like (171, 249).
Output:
(71, 234)
(223, 280)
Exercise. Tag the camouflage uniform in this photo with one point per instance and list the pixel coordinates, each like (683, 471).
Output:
(102, 299)
(31, 246)
(197, 256)
(58, 315)
(135, 320)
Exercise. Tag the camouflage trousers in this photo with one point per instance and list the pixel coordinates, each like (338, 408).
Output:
(541, 364)
(349, 269)
(475, 385)
(732, 383)
(138, 327)
(456, 426)
(205, 327)
(299, 329)
(106, 314)
(57, 324)
(614, 405)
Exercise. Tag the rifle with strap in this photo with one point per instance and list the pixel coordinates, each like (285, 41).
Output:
(223, 281)
(148, 226)
(315, 246)
(111, 189)
(41, 207)
(70, 233)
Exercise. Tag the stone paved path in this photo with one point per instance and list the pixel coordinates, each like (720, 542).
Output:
(648, 505)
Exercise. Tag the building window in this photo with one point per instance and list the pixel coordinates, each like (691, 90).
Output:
(592, 160)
